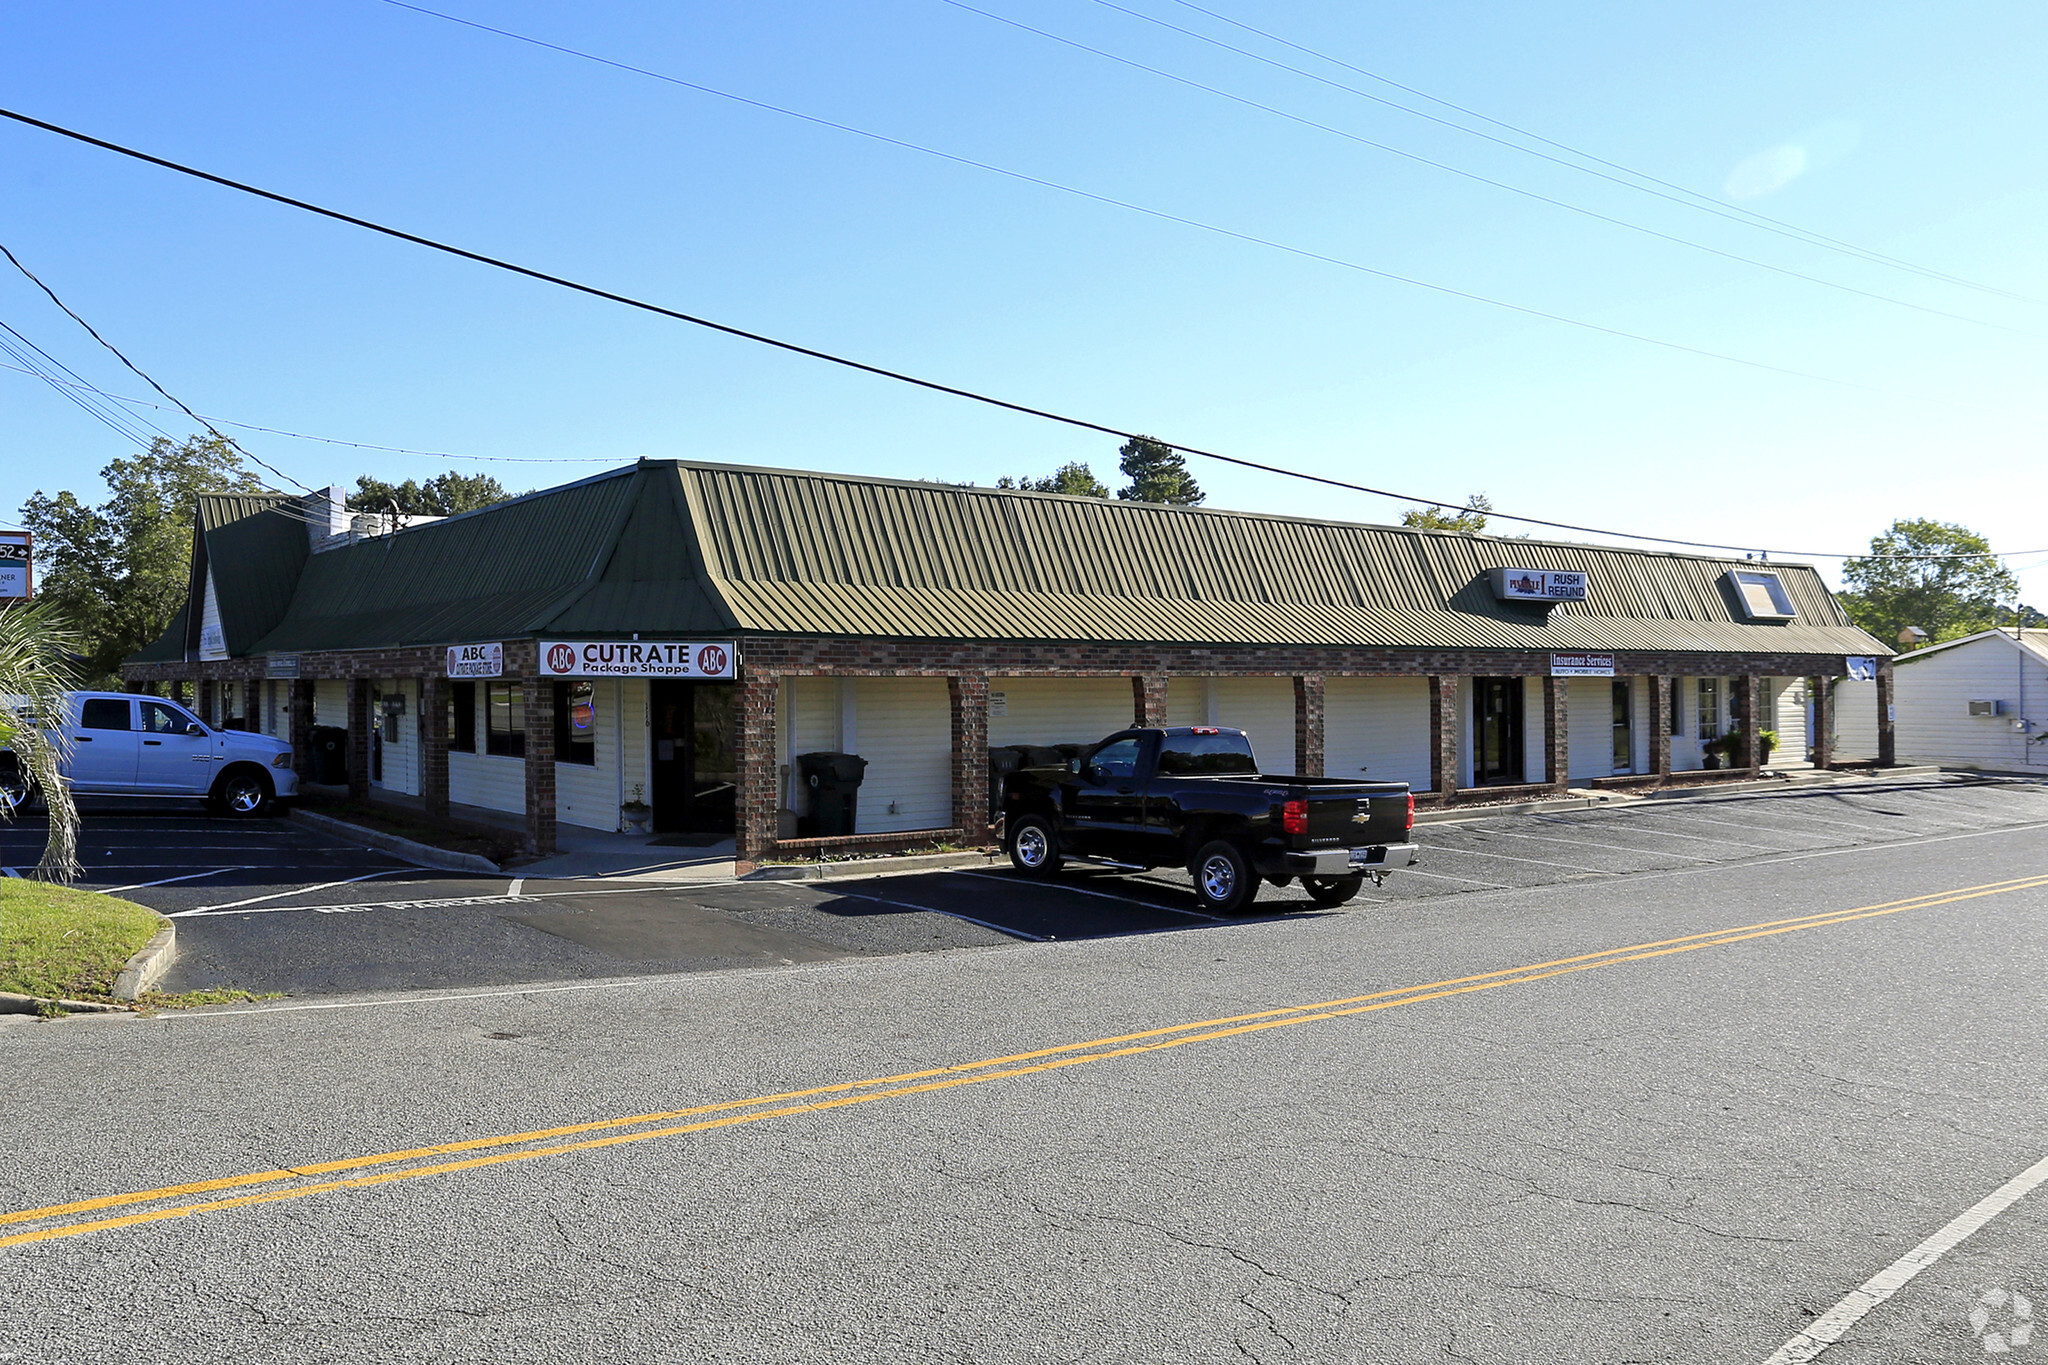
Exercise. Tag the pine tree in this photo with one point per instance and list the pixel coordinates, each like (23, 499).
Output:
(1158, 473)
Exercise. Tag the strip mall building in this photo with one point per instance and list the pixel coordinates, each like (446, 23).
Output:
(678, 633)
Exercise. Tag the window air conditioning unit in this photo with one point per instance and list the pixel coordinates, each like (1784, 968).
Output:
(1987, 708)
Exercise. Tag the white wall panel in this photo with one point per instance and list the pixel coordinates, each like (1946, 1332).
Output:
(1589, 725)
(585, 795)
(1377, 729)
(487, 780)
(1061, 710)
(330, 702)
(905, 732)
(1187, 702)
(1856, 719)
(1264, 709)
(400, 756)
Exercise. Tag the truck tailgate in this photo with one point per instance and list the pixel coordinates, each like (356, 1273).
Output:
(1349, 819)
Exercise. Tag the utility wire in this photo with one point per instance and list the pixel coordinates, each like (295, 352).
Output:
(1705, 202)
(1223, 94)
(303, 436)
(883, 372)
(228, 441)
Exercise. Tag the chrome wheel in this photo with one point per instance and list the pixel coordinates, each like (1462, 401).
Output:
(1219, 878)
(244, 795)
(1032, 846)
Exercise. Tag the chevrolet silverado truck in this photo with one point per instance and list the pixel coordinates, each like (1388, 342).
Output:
(115, 744)
(1193, 797)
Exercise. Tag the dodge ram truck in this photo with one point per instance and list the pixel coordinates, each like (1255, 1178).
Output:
(1193, 797)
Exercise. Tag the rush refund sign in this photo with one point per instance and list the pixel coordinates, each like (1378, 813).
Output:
(637, 659)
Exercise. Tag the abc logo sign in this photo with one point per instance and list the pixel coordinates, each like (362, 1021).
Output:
(711, 660)
(561, 658)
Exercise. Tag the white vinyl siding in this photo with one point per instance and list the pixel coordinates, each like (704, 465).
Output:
(904, 729)
(1788, 717)
(330, 702)
(209, 623)
(811, 716)
(589, 796)
(1061, 710)
(1535, 740)
(1377, 730)
(1589, 727)
(400, 757)
(1933, 696)
(1261, 707)
(488, 780)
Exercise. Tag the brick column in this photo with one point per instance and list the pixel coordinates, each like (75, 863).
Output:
(1887, 741)
(1443, 735)
(1661, 698)
(359, 720)
(433, 729)
(300, 728)
(142, 687)
(1823, 691)
(252, 703)
(1749, 704)
(203, 701)
(1557, 743)
(967, 701)
(1308, 724)
(1148, 700)
(759, 796)
(537, 695)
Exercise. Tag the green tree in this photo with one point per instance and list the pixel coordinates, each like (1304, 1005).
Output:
(1074, 479)
(118, 571)
(1471, 520)
(1935, 575)
(36, 670)
(444, 495)
(1157, 473)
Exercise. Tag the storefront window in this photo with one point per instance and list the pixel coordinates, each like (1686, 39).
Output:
(1710, 709)
(505, 732)
(576, 723)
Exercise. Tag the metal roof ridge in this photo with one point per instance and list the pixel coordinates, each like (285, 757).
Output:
(1147, 508)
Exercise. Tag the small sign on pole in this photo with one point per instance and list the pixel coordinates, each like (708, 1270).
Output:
(17, 577)
(1861, 669)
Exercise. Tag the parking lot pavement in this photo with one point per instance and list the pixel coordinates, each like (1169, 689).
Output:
(267, 905)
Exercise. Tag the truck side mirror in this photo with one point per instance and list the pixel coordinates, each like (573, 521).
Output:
(1074, 765)
(195, 730)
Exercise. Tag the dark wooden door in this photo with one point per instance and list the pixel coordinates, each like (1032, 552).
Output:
(1496, 731)
(694, 755)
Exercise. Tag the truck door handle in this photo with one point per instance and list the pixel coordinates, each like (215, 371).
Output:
(1125, 791)
(83, 739)
(152, 741)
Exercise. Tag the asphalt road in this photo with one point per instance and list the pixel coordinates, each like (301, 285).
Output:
(1687, 1152)
(271, 906)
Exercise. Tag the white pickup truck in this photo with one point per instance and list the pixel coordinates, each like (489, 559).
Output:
(122, 745)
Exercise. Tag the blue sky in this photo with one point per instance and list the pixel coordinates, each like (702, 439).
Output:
(1909, 130)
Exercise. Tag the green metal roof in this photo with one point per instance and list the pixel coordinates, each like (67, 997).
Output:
(260, 544)
(167, 648)
(834, 554)
(684, 548)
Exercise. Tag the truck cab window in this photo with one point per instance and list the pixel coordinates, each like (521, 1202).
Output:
(1211, 755)
(1116, 760)
(104, 713)
(159, 718)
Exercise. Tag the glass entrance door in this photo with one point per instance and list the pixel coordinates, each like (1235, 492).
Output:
(1496, 731)
(1624, 726)
(694, 756)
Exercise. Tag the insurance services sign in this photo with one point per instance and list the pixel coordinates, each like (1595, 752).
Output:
(638, 659)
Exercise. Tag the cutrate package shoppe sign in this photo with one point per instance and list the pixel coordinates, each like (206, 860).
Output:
(708, 661)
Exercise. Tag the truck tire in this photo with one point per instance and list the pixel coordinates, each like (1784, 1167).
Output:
(18, 793)
(243, 791)
(1035, 847)
(1329, 892)
(1224, 881)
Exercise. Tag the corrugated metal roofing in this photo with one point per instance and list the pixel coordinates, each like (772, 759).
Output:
(260, 543)
(687, 548)
(833, 554)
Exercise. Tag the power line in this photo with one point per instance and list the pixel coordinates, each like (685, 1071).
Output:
(1706, 203)
(225, 440)
(303, 436)
(1254, 104)
(878, 370)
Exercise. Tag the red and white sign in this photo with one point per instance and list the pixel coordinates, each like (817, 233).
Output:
(476, 661)
(638, 659)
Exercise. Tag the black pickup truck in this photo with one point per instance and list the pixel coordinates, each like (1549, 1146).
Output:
(1193, 797)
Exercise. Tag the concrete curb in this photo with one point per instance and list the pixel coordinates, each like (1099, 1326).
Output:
(424, 854)
(147, 967)
(865, 867)
(10, 1003)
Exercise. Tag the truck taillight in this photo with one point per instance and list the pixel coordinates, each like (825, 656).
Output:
(1411, 810)
(1294, 817)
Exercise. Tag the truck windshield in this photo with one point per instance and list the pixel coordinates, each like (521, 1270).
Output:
(1207, 755)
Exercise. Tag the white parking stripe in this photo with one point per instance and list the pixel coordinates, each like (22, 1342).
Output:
(1828, 1328)
(1511, 858)
(512, 887)
(1469, 881)
(1617, 848)
(10, 871)
(188, 877)
(301, 890)
(950, 914)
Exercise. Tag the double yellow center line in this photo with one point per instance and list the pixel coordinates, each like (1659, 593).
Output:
(298, 1182)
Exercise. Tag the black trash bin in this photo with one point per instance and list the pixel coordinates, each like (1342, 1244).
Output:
(834, 781)
(330, 755)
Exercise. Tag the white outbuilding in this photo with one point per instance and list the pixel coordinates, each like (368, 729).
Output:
(1979, 702)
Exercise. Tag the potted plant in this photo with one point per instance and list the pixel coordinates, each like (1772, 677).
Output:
(1711, 751)
(635, 814)
(1766, 741)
